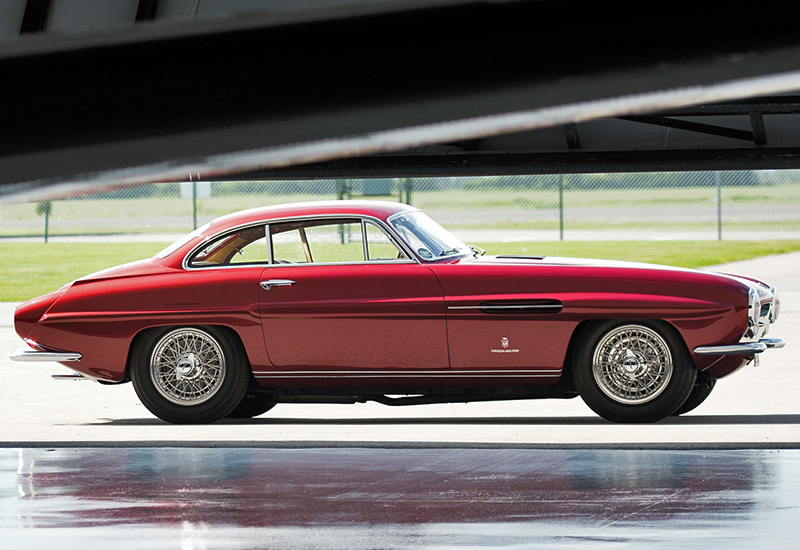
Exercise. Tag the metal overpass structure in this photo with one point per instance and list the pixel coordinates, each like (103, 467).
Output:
(105, 93)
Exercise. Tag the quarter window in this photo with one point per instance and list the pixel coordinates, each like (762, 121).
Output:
(245, 246)
(379, 246)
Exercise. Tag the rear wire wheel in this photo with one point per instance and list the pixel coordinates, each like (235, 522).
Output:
(189, 375)
(633, 371)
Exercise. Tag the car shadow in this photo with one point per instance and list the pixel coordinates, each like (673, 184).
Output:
(779, 419)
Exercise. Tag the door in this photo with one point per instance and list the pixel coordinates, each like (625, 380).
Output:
(340, 295)
(504, 317)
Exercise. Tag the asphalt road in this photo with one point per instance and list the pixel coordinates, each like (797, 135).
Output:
(756, 407)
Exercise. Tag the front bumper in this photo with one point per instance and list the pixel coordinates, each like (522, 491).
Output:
(751, 348)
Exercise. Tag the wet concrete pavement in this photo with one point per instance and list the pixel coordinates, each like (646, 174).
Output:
(191, 498)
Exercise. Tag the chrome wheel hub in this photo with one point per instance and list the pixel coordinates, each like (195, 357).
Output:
(187, 366)
(632, 364)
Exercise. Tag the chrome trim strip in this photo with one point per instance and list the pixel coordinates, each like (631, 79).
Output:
(280, 266)
(32, 356)
(444, 373)
(510, 306)
(736, 349)
(68, 377)
(323, 375)
(364, 246)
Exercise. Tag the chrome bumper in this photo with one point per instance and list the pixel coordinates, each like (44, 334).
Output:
(741, 349)
(30, 356)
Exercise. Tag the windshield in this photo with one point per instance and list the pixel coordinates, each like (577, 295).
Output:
(179, 243)
(428, 239)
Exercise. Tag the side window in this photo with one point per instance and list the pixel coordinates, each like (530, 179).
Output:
(253, 252)
(246, 246)
(337, 242)
(287, 247)
(317, 241)
(381, 247)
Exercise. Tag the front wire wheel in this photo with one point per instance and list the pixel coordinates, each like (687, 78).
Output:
(189, 374)
(633, 371)
(632, 364)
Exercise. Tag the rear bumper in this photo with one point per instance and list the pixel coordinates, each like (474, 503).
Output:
(741, 349)
(33, 356)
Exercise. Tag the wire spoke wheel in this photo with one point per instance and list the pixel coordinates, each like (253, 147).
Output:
(632, 364)
(633, 371)
(190, 375)
(187, 366)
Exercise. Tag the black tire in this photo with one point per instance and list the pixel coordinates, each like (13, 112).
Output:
(633, 371)
(189, 375)
(253, 404)
(701, 390)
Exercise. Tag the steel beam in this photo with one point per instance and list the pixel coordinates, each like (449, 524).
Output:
(691, 126)
(159, 102)
(574, 162)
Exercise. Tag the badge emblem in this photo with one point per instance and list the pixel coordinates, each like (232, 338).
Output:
(504, 347)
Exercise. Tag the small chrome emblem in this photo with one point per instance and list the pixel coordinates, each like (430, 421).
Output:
(504, 347)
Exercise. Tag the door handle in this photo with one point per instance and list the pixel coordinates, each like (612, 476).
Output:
(269, 283)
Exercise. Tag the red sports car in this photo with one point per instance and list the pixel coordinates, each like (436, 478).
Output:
(351, 301)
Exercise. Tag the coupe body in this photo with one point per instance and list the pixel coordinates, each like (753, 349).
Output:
(351, 301)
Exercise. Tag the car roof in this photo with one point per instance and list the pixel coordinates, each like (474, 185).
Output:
(381, 210)
(377, 209)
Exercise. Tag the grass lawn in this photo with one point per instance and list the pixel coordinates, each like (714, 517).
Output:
(33, 269)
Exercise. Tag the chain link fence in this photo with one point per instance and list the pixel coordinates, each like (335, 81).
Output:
(640, 206)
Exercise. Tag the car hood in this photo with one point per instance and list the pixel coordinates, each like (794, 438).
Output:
(761, 287)
(555, 260)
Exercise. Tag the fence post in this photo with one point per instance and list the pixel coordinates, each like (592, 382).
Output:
(194, 203)
(343, 190)
(46, 220)
(561, 206)
(405, 190)
(43, 208)
(719, 205)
